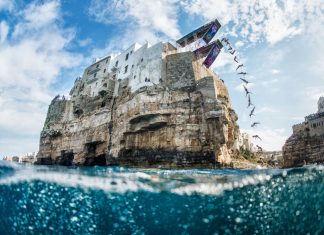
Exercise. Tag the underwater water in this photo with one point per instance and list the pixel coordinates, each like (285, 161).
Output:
(116, 200)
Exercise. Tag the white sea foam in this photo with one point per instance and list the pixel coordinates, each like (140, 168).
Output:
(123, 183)
(219, 188)
(120, 180)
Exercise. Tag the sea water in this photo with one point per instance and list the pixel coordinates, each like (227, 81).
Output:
(118, 200)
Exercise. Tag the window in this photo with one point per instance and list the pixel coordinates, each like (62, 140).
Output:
(94, 75)
(106, 61)
(104, 70)
(142, 60)
(127, 56)
(116, 64)
(126, 67)
(131, 52)
(97, 66)
(132, 66)
(134, 76)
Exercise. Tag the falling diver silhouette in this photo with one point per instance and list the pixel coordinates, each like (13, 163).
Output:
(256, 137)
(246, 91)
(240, 66)
(252, 112)
(249, 101)
(245, 81)
(254, 124)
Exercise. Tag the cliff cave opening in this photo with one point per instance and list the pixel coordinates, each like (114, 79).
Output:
(66, 158)
(91, 158)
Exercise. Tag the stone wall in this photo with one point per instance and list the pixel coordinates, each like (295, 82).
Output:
(179, 71)
(316, 126)
(297, 128)
(206, 87)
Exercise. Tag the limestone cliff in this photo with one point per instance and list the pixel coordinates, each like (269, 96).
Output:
(302, 149)
(184, 119)
(306, 144)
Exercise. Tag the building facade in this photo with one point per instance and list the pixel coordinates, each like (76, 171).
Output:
(243, 141)
(314, 123)
(306, 144)
(140, 65)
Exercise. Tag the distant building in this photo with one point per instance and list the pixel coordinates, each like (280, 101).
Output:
(314, 123)
(11, 158)
(243, 141)
(273, 158)
(27, 158)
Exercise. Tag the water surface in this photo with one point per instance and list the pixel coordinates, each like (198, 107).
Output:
(116, 200)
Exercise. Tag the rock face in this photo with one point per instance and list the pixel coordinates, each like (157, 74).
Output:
(306, 144)
(303, 149)
(185, 119)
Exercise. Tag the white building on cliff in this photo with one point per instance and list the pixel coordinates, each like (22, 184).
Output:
(141, 65)
(314, 123)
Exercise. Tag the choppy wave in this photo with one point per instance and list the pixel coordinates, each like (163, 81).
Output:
(117, 200)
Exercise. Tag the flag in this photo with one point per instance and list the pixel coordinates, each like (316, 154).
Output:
(213, 53)
(210, 33)
(211, 28)
(204, 50)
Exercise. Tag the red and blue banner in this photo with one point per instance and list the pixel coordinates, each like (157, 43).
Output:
(210, 33)
(213, 53)
(204, 50)
(199, 33)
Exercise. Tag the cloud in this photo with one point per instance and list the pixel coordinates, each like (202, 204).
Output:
(6, 5)
(147, 17)
(275, 71)
(255, 21)
(4, 29)
(266, 109)
(223, 60)
(312, 94)
(35, 17)
(270, 83)
(84, 42)
(32, 58)
(239, 44)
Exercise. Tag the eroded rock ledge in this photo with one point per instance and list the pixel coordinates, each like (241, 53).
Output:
(183, 120)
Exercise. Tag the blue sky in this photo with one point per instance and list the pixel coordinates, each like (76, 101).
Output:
(45, 45)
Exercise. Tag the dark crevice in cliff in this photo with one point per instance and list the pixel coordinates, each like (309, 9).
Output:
(99, 160)
(66, 158)
(91, 157)
(169, 158)
(189, 97)
(110, 124)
